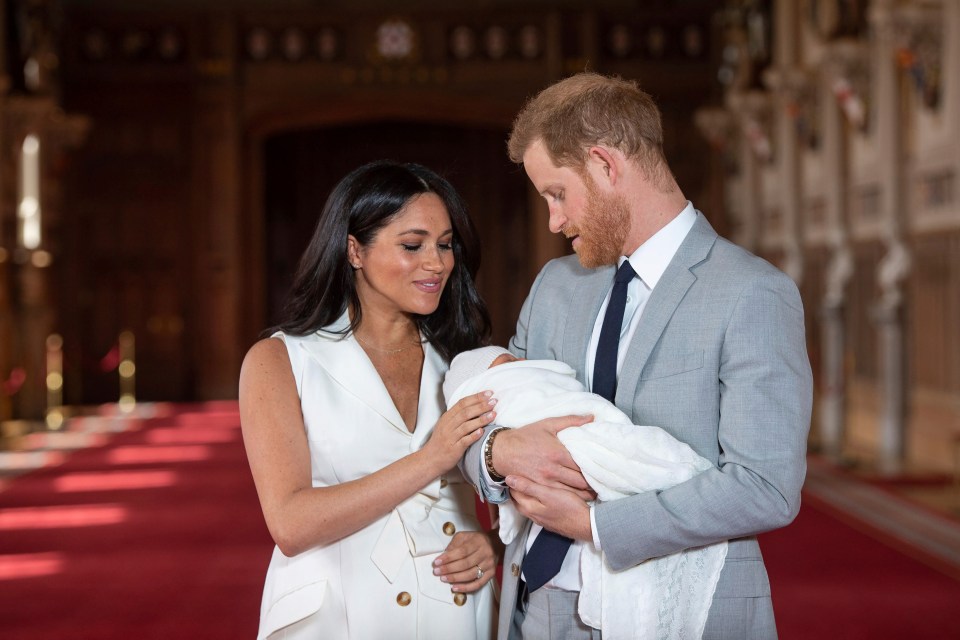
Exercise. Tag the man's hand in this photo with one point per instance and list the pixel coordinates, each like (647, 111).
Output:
(555, 509)
(535, 452)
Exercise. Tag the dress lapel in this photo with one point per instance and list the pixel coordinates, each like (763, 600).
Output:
(431, 403)
(342, 357)
(663, 302)
(346, 362)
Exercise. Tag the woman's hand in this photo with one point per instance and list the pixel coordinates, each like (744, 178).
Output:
(470, 554)
(459, 428)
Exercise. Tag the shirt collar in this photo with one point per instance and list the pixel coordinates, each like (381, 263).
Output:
(651, 258)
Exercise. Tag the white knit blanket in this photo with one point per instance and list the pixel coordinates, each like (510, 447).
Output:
(663, 598)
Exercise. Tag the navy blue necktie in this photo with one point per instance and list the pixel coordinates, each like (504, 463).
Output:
(605, 365)
(546, 554)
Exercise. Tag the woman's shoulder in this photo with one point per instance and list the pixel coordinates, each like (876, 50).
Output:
(286, 351)
(266, 369)
(266, 355)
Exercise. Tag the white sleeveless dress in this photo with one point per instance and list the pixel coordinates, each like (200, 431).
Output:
(378, 582)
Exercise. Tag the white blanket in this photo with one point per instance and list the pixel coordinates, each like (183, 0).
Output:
(663, 598)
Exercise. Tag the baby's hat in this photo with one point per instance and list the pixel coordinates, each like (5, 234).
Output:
(467, 365)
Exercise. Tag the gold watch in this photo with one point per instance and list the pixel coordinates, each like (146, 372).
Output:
(488, 455)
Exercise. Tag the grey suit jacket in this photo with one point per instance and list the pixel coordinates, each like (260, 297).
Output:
(719, 361)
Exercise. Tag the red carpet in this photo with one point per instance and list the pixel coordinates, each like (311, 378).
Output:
(157, 534)
(832, 581)
(179, 551)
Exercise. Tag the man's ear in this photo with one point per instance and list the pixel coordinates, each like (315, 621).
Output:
(604, 164)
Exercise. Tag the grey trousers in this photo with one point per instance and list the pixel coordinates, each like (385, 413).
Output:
(551, 614)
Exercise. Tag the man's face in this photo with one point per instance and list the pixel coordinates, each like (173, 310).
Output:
(596, 222)
(604, 228)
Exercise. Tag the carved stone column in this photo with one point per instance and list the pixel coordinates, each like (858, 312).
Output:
(7, 355)
(833, 308)
(31, 124)
(894, 267)
(786, 83)
(33, 268)
(752, 108)
(717, 126)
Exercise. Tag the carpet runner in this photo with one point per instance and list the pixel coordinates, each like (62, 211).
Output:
(155, 532)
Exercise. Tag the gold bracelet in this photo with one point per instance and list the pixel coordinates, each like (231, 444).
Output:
(488, 455)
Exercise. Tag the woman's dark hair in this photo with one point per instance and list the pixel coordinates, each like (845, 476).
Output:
(361, 204)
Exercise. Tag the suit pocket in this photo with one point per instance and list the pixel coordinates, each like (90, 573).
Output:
(665, 366)
(743, 578)
(294, 606)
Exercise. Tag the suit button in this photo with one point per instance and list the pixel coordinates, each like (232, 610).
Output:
(403, 598)
(443, 483)
(514, 569)
(449, 528)
(460, 599)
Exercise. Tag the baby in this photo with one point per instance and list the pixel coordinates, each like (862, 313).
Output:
(617, 459)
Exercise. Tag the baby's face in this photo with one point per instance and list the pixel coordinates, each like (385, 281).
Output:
(503, 359)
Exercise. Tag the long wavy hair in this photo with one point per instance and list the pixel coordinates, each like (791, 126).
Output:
(361, 204)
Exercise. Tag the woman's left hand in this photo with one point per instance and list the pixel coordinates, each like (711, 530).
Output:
(468, 562)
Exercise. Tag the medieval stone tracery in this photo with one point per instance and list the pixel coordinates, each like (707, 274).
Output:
(863, 188)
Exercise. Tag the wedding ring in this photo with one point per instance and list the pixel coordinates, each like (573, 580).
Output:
(479, 572)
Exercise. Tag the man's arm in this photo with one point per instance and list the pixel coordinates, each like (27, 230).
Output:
(559, 510)
(534, 451)
(472, 466)
(765, 387)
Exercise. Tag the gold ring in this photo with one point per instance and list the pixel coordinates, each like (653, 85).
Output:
(479, 572)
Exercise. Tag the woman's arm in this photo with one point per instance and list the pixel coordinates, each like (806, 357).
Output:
(466, 553)
(300, 516)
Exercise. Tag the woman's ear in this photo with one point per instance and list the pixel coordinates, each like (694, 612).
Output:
(353, 252)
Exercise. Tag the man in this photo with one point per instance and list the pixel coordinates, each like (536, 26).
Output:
(680, 328)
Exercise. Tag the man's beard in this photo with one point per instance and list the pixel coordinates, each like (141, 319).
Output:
(604, 228)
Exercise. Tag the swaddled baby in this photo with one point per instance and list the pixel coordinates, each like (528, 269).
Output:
(618, 459)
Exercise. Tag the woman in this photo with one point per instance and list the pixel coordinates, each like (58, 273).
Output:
(341, 410)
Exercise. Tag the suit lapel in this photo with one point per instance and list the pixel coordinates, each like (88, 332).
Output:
(584, 308)
(663, 302)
